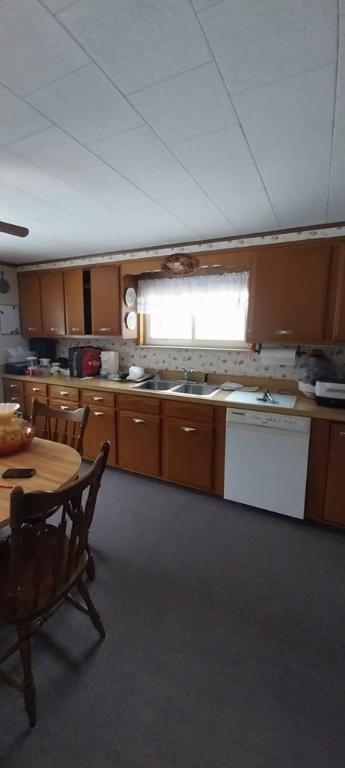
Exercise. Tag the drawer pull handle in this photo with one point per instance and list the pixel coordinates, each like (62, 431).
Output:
(63, 393)
(31, 328)
(53, 329)
(283, 332)
(36, 389)
(97, 399)
(139, 421)
(189, 429)
(98, 413)
(13, 386)
(104, 329)
(63, 407)
(75, 329)
(342, 434)
(14, 399)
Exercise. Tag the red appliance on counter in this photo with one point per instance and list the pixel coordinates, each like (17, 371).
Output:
(84, 361)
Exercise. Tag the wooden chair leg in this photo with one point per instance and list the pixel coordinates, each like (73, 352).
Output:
(29, 689)
(93, 613)
(90, 570)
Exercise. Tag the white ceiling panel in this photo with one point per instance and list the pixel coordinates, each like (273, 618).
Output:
(17, 119)
(138, 43)
(258, 42)
(86, 105)
(55, 152)
(57, 5)
(222, 164)
(193, 103)
(34, 49)
(296, 176)
(336, 203)
(296, 104)
(134, 153)
(200, 5)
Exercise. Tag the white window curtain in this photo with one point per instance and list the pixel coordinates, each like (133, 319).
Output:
(195, 294)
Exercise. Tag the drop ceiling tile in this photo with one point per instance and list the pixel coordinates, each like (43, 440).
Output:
(258, 42)
(173, 188)
(339, 116)
(138, 43)
(223, 166)
(86, 105)
(17, 119)
(296, 104)
(296, 176)
(34, 48)
(200, 5)
(57, 5)
(188, 105)
(55, 152)
(110, 189)
(336, 209)
(134, 153)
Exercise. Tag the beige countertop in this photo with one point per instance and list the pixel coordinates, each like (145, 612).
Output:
(304, 406)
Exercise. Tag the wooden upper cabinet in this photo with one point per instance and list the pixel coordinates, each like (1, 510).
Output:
(52, 303)
(105, 300)
(335, 312)
(288, 289)
(30, 303)
(74, 302)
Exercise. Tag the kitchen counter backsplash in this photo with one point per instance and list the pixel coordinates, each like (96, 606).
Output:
(240, 362)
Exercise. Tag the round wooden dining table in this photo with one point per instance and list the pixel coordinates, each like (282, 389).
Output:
(55, 464)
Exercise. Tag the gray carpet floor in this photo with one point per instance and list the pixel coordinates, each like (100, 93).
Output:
(225, 643)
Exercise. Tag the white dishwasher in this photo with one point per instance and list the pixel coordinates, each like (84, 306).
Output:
(266, 460)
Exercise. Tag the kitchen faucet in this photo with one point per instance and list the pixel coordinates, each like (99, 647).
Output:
(267, 397)
(187, 373)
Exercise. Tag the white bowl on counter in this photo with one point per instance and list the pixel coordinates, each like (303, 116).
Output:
(308, 390)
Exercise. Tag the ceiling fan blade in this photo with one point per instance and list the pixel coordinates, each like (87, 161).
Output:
(13, 229)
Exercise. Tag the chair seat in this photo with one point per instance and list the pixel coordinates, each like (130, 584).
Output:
(33, 598)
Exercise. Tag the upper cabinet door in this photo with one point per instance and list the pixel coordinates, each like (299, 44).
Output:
(74, 302)
(30, 303)
(52, 302)
(288, 291)
(105, 301)
(335, 315)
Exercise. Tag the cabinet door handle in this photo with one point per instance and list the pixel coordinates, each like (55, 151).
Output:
(342, 434)
(104, 329)
(75, 329)
(97, 399)
(139, 421)
(98, 413)
(63, 407)
(53, 329)
(283, 332)
(13, 386)
(31, 328)
(36, 389)
(14, 399)
(189, 429)
(63, 393)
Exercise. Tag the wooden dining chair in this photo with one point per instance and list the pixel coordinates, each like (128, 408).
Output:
(67, 427)
(63, 426)
(42, 560)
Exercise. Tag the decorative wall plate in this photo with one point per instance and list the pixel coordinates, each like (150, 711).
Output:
(130, 297)
(131, 321)
(180, 264)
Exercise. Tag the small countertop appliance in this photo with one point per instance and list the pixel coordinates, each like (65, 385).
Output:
(330, 393)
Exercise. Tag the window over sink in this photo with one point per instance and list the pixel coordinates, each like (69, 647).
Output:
(196, 311)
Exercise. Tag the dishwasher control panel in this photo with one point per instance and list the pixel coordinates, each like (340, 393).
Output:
(264, 419)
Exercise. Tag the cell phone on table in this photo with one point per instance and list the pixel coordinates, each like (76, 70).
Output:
(20, 472)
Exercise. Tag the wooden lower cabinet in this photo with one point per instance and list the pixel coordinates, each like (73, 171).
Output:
(187, 453)
(100, 427)
(325, 500)
(139, 442)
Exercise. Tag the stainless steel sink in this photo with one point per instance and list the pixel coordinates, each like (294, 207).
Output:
(191, 388)
(157, 386)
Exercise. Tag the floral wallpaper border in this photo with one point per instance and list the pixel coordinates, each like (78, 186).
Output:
(236, 362)
(153, 253)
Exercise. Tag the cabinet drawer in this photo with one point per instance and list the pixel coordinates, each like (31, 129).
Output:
(139, 403)
(64, 393)
(190, 411)
(139, 442)
(13, 389)
(61, 405)
(36, 389)
(100, 426)
(93, 397)
(28, 405)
